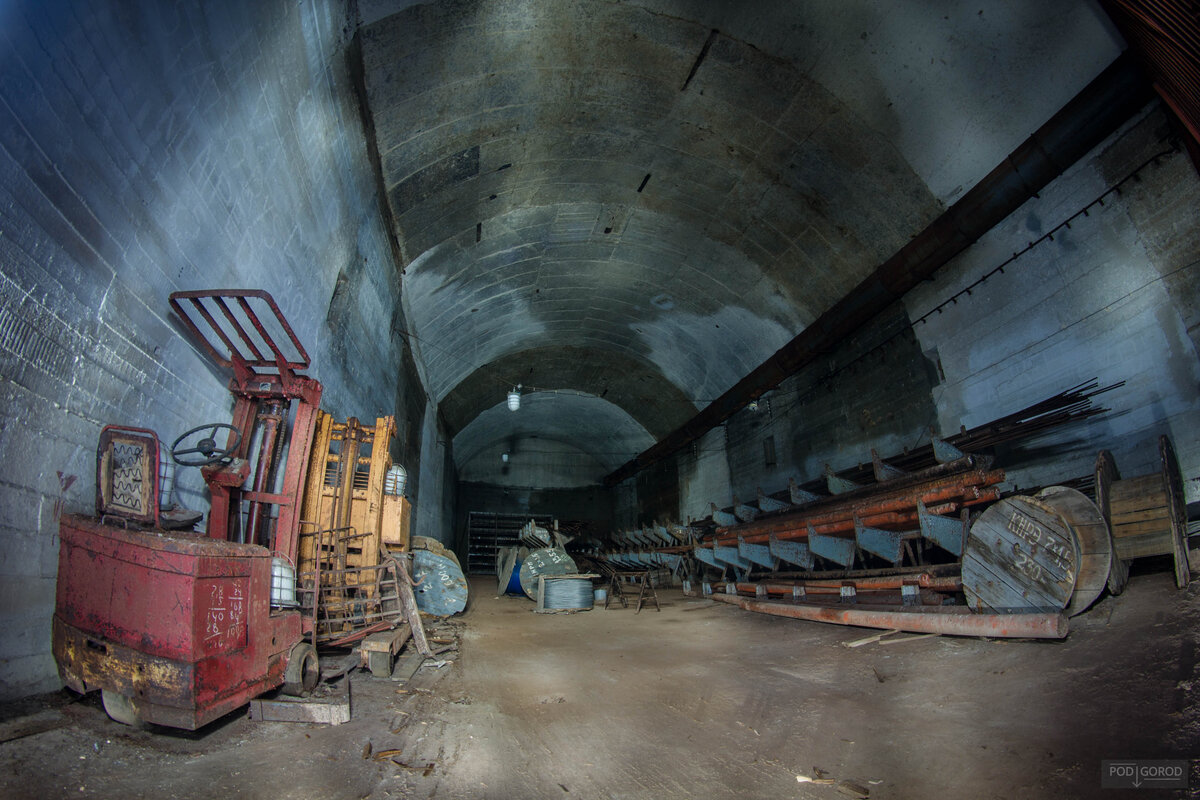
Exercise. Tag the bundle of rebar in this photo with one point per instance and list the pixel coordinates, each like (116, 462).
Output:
(1073, 405)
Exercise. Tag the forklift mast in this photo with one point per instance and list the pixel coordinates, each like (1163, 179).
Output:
(266, 359)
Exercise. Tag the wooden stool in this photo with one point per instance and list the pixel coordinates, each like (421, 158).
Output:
(647, 590)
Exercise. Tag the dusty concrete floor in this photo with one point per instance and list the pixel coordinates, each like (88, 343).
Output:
(699, 700)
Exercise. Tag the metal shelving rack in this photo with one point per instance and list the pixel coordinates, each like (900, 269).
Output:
(488, 531)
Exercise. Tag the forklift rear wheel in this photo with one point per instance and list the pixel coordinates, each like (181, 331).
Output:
(120, 709)
(303, 670)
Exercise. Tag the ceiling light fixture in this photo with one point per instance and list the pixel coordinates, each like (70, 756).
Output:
(514, 398)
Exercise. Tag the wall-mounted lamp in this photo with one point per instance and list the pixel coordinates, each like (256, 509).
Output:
(504, 457)
(514, 398)
(753, 405)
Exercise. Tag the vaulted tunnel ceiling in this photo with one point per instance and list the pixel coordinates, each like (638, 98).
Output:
(642, 201)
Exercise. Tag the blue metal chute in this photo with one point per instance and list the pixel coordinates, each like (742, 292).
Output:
(645, 560)
(707, 556)
(833, 548)
(884, 472)
(885, 544)
(670, 560)
(756, 553)
(799, 496)
(744, 512)
(945, 452)
(945, 532)
(796, 553)
(769, 504)
(730, 556)
(723, 518)
(838, 485)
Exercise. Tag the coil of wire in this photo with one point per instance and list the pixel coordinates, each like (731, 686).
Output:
(568, 592)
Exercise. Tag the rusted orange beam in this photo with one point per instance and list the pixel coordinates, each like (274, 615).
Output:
(951, 583)
(1004, 626)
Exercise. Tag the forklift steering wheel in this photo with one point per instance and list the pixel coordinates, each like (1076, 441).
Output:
(206, 447)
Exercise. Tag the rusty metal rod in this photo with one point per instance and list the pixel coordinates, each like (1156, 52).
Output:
(951, 583)
(940, 489)
(796, 527)
(1003, 626)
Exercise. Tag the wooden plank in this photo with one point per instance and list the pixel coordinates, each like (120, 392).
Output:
(869, 639)
(1121, 516)
(1144, 545)
(407, 666)
(386, 641)
(1144, 485)
(1149, 528)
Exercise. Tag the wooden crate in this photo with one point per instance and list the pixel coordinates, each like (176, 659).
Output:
(396, 522)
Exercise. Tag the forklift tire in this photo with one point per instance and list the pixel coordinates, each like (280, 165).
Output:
(120, 709)
(302, 672)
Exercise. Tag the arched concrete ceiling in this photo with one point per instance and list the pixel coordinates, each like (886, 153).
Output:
(675, 188)
(649, 398)
(580, 422)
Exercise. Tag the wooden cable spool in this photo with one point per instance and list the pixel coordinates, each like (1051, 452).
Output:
(1096, 547)
(1021, 556)
(1147, 515)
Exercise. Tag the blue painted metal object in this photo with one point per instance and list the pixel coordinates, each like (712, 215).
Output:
(946, 532)
(833, 548)
(800, 496)
(730, 556)
(442, 587)
(722, 517)
(885, 544)
(706, 555)
(744, 512)
(670, 560)
(884, 472)
(945, 452)
(755, 553)
(768, 504)
(797, 553)
(514, 579)
(509, 571)
(838, 485)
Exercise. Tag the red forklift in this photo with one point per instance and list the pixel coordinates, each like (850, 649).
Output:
(175, 626)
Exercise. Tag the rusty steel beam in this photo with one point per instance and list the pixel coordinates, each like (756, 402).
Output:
(1103, 105)
(949, 583)
(894, 510)
(1004, 626)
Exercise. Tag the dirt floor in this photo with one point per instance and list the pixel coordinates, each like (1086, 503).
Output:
(698, 700)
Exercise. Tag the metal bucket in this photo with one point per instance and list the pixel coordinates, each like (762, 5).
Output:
(599, 596)
(283, 583)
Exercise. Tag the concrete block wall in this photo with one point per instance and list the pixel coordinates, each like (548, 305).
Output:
(1109, 298)
(1113, 298)
(147, 147)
